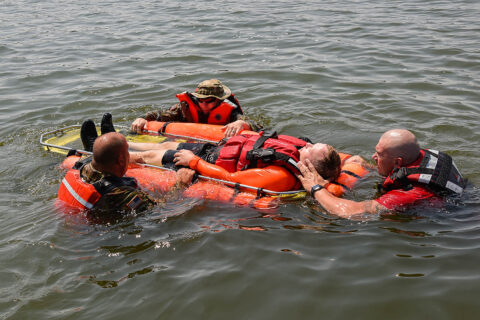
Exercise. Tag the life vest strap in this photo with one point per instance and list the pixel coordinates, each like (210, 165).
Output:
(260, 193)
(82, 162)
(350, 173)
(162, 130)
(236, 191)
(108, 184)
(341, 185)
(266, 135)
(258, 153)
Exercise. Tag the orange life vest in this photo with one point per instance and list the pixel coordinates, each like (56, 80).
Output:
(73, 188)
(82, 195)
(76, 193)
(219, 115)
(349, 175)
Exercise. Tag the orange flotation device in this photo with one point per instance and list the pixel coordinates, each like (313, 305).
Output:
(201, 131)
(350, 173)
(156, 181)
(263, 193)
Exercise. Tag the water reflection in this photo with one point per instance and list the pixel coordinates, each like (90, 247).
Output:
(107, 284)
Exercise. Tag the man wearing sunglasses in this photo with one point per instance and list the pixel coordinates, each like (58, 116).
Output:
(212, 103)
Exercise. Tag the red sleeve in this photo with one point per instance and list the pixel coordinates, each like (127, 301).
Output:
(271, 178)
(397, 199)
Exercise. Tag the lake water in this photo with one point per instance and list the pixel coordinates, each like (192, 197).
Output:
(341, 72)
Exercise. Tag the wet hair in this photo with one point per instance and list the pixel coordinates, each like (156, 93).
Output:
(328, 167)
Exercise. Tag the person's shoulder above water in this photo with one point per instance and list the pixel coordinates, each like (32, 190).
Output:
(212, 102)
(400, 199)
(109, 164)
(411, 177)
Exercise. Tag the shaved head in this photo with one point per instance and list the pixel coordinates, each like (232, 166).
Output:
(401, 143)
(396, 148)
(110, 152)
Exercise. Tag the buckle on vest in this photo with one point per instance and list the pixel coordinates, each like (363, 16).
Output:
(266, 155)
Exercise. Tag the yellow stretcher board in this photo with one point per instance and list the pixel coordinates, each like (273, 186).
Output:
(69, 138)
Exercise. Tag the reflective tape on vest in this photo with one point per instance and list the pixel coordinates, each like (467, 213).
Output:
(76, 195)
(293, 163)
(452, 186)
(432, 162)
(230, 103)
(425, 178)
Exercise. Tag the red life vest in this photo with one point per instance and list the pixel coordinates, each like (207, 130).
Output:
(258, 151)
(433, 169)
(219, 115)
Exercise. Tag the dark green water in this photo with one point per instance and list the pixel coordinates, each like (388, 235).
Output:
(341, 72)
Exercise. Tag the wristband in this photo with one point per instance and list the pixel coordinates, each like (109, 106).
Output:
(315, 188)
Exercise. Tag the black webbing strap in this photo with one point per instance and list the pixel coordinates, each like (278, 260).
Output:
(260, 193)
(399, 175)
(110, 183)
(72, 152)
(82, 162)
(291, 164)
(161, 131)
(341, 185)
(260, 141)
(350, 173)
(257, 148)
(236, 190)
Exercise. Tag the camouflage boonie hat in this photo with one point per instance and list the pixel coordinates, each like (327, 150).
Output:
(212, 88)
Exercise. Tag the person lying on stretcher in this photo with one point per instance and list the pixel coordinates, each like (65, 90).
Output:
(267, 161)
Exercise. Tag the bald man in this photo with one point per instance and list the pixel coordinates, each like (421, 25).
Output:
(413, 175)
(105, 170)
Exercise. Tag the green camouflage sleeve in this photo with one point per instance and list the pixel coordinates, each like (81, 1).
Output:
(253, 125)
(125, 199)
(174, 114)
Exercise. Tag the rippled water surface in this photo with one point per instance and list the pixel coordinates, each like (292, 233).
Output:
(341, 72)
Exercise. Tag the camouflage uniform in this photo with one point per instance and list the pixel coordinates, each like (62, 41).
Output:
(123, 198)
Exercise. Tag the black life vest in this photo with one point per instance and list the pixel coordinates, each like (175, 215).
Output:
(433, 169)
